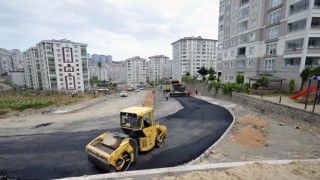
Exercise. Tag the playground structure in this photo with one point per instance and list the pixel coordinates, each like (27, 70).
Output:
(303, 92)
(317, 97)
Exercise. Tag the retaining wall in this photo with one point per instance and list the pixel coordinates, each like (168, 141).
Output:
(262, 105)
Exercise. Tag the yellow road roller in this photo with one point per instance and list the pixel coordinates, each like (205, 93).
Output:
(114, 151)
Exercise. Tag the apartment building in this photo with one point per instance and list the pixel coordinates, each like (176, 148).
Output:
(159, 67)
(63, 65)
(136, 71)
(272, 37)
(32, 70)
(192, 53)
(101, 58)
(10, 60)
(117, 71)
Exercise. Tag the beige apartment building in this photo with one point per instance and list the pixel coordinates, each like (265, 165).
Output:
(190, 54)
(279, 38)
(136, 71)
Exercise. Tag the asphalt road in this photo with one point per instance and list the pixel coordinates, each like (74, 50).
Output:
(47, 156)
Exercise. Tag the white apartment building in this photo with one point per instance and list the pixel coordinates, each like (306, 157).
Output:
(272, 37)
(18, 78)
(32, 70)
(64, 65)
(192, 53)
(159, 67)
(136, 71)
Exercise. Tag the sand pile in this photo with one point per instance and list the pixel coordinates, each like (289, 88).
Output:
(250, 131)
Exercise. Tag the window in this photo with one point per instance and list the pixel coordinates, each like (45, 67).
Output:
(274, 3)
(225, 64)
(254, 9)
(269, 64)
(271, 49)
(297, 43)
(232, 64)
(243, 2)
(242, 39)
(242, 26)
(250, 63)
(244, 13)
(242, 51)
(288, 62)
(232, 53)
(253, 22)
(274, 17)
(58, 50)
(273, 33)
(225, 54)
(299, 6)
(226, 44)
(233, 42)
(252, 36)
(251, 50)
(314, 42)
(297, 25)
(315, 22)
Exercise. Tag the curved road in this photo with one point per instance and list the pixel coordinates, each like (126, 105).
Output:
(190, 132)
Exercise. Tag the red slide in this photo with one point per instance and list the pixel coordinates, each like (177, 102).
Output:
(304, 91)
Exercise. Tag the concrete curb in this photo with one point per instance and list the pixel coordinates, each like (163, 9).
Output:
(176, 171)
(208, 151)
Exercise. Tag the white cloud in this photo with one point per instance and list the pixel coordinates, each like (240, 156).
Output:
(121, 28)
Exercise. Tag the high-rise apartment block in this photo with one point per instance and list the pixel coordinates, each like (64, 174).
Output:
(32, 70)
(192, 53)
(136, 71)
(159, 67)
(101, 58)
(271, 37)
(60, 65)
(117, 71)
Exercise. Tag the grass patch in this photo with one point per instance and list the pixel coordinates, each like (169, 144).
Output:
(21, 102)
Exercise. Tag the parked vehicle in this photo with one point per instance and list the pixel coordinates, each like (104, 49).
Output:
(123, 94)
(137, 90)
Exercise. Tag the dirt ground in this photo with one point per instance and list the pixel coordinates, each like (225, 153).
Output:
(258, 137)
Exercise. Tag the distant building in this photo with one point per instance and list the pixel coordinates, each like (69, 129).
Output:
(191, 53)
(10, 60)
(117, 71)
(32, 68)
(159, 67)
(136, 71)
(101, 58)
(100, 72)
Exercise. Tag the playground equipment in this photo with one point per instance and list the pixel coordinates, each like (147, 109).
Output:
(303, 92)
(317, 97)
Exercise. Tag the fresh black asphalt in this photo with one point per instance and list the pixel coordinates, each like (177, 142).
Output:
(47, 156)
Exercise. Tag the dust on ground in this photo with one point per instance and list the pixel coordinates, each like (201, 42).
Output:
(293, 171)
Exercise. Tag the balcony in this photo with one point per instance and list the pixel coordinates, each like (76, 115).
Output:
(297, 26)
(312, 62)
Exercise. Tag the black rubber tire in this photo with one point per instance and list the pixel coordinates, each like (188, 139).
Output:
(159, 143)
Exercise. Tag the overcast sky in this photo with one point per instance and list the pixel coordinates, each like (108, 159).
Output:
(121, 28)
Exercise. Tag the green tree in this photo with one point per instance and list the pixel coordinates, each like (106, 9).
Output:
(211, 77)
(188, 74)
(291, 85)
(218, 79)
(203, 71)
(263, 81)
(211, 71)
(304, 76)
(240, 79)
(204, 78)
